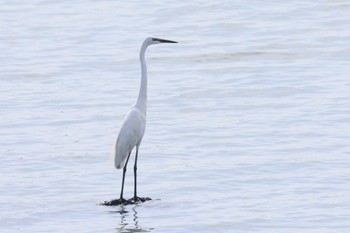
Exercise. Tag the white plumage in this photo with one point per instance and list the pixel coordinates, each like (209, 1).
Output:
(130, 135)
(133, 127)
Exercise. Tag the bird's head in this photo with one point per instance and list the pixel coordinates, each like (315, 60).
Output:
(152, 40)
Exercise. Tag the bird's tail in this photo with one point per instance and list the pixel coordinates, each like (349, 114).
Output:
(118, 163)
(119, 157)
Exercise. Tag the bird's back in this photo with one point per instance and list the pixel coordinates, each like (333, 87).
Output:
(130, 135)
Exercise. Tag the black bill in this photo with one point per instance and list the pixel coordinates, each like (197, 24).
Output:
(163, 40)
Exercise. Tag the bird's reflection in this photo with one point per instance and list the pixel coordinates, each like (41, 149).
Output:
(129, 220)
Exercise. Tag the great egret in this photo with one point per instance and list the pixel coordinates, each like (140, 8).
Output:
(133, 126)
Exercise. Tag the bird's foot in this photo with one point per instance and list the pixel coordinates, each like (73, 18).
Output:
(136, 200)
(120, 201)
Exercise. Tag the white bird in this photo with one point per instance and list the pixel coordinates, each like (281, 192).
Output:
(134, 125)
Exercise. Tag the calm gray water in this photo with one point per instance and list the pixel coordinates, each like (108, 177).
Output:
(248, 117)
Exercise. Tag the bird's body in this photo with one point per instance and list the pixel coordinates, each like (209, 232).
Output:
(133, 127)
(130, 135)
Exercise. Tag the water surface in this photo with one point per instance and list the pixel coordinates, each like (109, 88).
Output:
(248, 116)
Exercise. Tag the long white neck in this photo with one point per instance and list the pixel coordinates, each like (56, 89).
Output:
(141, 102)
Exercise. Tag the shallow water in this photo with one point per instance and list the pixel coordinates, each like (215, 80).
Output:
(248, 116)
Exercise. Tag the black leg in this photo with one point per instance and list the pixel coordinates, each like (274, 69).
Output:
(137, 199)
(135, 174)
(124, 171)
